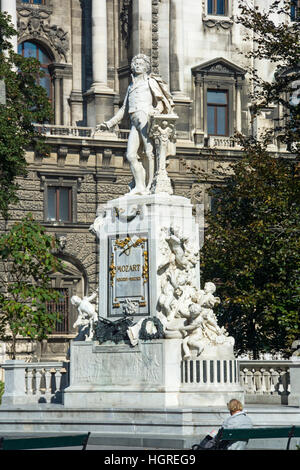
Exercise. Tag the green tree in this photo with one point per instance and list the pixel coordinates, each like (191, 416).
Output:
(251, 247)
(27, 261)
(26, 103)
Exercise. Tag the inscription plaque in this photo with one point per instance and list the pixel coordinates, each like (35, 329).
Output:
(128, 289)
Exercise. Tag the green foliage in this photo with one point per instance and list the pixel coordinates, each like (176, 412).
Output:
(1, 390)
(252, 247)
(276, 40)
(26, 103)
(252, 250)
(27, 262)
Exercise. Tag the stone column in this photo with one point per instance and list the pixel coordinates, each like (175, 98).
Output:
(9, 6)
(141, 27)
(76, 99)
(238, 108)
(99, 44)
(199, 111)
(100, 96)
(60, 73)
(176, 47)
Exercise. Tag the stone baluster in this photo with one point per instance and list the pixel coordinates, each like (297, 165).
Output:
(263, 387)
(48, 376)
(250, 381)
(29, 380)
(280, 382)
(57, 380)
(266, 382)
(39, 381)
(258, 381)
(272, 388)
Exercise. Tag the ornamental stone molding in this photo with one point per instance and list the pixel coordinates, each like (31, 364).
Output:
(219, 66)
(211, 22)
(155, 37)
(34, 23)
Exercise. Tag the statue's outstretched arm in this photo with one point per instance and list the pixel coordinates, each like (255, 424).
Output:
(119, 115)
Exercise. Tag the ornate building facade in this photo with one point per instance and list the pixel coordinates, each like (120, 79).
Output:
(85, 47)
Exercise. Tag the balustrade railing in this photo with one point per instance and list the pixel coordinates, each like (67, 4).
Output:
(34, 382)
(266, 382)
(45, 382)
(76, 131)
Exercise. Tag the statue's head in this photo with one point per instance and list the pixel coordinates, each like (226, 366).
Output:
(209, 287)
(75, 300)
(140, 64)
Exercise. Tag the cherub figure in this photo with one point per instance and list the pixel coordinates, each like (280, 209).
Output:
(87, 315)
(194, 333)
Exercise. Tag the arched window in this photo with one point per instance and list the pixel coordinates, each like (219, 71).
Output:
(31, 49)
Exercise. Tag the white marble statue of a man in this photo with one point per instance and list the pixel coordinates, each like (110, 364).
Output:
(146, 95)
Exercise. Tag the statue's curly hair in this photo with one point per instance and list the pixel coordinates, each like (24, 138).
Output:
(146, 60)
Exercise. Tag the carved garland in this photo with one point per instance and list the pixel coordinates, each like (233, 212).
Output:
(155, 37)
(143, 334)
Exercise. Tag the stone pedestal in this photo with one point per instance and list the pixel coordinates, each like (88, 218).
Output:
(149, 375)
(100, 105)
(149, 259)
(131, 234)
(15, 393)
(294, 397)
(120, 376)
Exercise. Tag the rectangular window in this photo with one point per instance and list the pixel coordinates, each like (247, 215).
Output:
(62, 306)
(295, 10)
(217, 112)
(217, 7)
(34, 2)
(59, 204)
